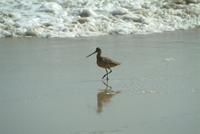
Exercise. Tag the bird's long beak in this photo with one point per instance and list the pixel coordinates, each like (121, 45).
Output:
(91, 54)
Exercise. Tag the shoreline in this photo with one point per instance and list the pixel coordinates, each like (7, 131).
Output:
(111, 35)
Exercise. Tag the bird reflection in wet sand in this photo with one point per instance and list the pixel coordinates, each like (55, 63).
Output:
(104, 97)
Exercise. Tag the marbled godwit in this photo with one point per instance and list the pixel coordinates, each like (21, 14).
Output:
(104, 62)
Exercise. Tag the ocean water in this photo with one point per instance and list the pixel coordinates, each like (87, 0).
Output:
(78, 18)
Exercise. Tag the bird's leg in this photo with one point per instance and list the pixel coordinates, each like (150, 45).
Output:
(105, 74)
(108, 73)
(106, 84)
(107, 77)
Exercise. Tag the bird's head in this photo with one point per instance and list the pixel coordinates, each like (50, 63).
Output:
(98, 50)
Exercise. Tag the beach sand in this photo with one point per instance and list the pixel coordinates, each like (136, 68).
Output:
(48, 86)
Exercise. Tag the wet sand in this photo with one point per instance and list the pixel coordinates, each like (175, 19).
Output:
(48, 86)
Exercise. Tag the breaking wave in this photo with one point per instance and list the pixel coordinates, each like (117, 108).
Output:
(77, 18)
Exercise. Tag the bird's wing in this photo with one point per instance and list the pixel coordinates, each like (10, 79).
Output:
(110, 61)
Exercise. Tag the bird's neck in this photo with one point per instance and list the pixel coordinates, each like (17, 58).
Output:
(99, 54)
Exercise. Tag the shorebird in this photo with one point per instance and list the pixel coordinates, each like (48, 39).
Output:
(104, 62)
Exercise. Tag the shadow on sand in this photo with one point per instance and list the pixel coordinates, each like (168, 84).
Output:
(104, 96)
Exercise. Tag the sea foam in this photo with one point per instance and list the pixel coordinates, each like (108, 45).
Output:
(77, 18)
